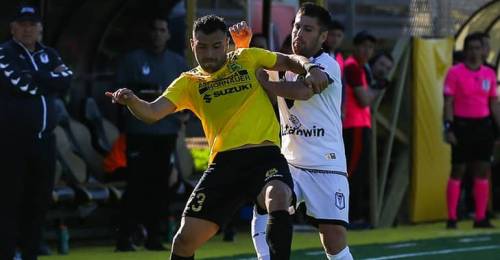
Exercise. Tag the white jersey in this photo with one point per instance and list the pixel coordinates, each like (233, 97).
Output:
(311, 130)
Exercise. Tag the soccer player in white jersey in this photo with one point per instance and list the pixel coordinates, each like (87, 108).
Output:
(312, 140)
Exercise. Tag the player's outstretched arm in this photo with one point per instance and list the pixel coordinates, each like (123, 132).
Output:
(315, 78)
(296, 90)
(149, 112)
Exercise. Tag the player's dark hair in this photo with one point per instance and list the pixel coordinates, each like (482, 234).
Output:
(336, 25)
(362, 37)
(209, 24)
(475, 36)
(318, 12)
(156, 17)
(379, 55)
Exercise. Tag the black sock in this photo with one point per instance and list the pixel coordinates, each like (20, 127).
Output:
(176, 257)
(279, 234)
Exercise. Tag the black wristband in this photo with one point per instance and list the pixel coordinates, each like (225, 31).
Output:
(448, 126)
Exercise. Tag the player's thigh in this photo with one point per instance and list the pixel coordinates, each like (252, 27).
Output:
(194, 232)
(217, 196)
(273, 180)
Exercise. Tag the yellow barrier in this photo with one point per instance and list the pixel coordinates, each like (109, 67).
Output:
(431, 156)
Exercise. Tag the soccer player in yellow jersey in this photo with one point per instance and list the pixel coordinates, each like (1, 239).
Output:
(242, 131)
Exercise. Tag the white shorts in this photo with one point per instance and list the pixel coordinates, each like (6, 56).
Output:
(325, 193)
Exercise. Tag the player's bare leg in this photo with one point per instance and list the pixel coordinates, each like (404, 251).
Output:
(276, 197)
(334, 240)
(192, 234)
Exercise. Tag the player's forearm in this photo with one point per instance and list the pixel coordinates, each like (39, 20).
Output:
(365, 97)
(372, 95)
(293, 63)
(448, 108)
(143, 110)
(292, 90)
(297, 64)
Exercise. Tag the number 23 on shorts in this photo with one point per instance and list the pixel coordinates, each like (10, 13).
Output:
(197, 205)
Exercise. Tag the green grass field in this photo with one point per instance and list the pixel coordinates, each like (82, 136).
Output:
(426, 241)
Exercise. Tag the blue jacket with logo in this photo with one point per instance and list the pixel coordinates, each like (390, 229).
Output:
(29, 84)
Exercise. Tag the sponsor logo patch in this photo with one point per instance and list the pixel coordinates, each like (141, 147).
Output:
(271, 172)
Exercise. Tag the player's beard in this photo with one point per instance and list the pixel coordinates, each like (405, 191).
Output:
(301, 47)
(211, 65)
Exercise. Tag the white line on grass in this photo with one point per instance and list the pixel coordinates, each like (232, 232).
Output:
(315, 253)
(437, 252)
(474, 239)
(402, 245)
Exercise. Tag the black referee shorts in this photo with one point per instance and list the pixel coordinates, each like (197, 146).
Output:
(234, 178)
(475, 140)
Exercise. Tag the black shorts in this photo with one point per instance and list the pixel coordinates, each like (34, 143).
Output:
(475, 140)
(234, 178)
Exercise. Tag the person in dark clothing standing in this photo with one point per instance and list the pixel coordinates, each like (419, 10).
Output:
(31, 76)
(148, 72)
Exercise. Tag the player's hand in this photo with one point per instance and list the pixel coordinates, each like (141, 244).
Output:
(241, 34)
(122, 96)
(262, 76)
(450, 138)
(317, 80)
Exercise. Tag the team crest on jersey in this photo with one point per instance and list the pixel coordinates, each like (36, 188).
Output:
(146, 69)
(486, 85)
(44, 58)
(339, 200)
(295, 121)
(234, 67)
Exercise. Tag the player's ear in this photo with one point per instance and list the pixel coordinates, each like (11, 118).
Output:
(191, 41)
(11, 27)
(323, 35)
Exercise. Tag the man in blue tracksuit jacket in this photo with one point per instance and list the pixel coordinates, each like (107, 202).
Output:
(31, 77)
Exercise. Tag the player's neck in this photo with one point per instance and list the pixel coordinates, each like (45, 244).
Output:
(157, 49)
(472, 65)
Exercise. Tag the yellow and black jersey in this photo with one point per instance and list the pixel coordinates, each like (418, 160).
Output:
(233, 107)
